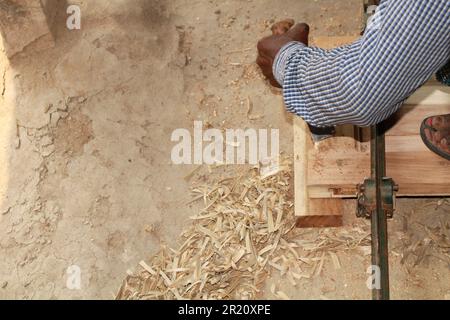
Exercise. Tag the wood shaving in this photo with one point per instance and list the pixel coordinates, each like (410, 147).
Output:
(249, 111)
(246, 231)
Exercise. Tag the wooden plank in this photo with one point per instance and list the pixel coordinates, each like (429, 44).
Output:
(312, 213)
(301, 149)
(337, 162)
(334, 166)
(415, 164)
(431, 94)
(407, 121)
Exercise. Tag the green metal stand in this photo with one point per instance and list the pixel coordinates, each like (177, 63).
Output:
(376, 201)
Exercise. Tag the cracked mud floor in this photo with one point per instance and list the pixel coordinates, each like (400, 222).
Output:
(85, 127)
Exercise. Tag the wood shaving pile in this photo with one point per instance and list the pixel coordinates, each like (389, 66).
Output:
(245, 231)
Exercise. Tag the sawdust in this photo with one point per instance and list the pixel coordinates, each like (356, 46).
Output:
(245, 231)
(426, 237)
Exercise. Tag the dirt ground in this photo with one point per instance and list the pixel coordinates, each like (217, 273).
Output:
(85, 172)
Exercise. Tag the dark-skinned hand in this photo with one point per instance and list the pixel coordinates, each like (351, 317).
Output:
(283, 32)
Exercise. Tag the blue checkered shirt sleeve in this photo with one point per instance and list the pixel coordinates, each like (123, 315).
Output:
(367, 81)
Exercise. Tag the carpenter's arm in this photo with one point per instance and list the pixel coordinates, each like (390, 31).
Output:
(367, 81)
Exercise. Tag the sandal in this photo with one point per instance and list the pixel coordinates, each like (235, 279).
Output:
(443, 75)
(435, 133)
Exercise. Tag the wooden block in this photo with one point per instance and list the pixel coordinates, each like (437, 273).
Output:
(311, 213)
(322, 213)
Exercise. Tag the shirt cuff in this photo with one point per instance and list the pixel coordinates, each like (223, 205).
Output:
(282, 58)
